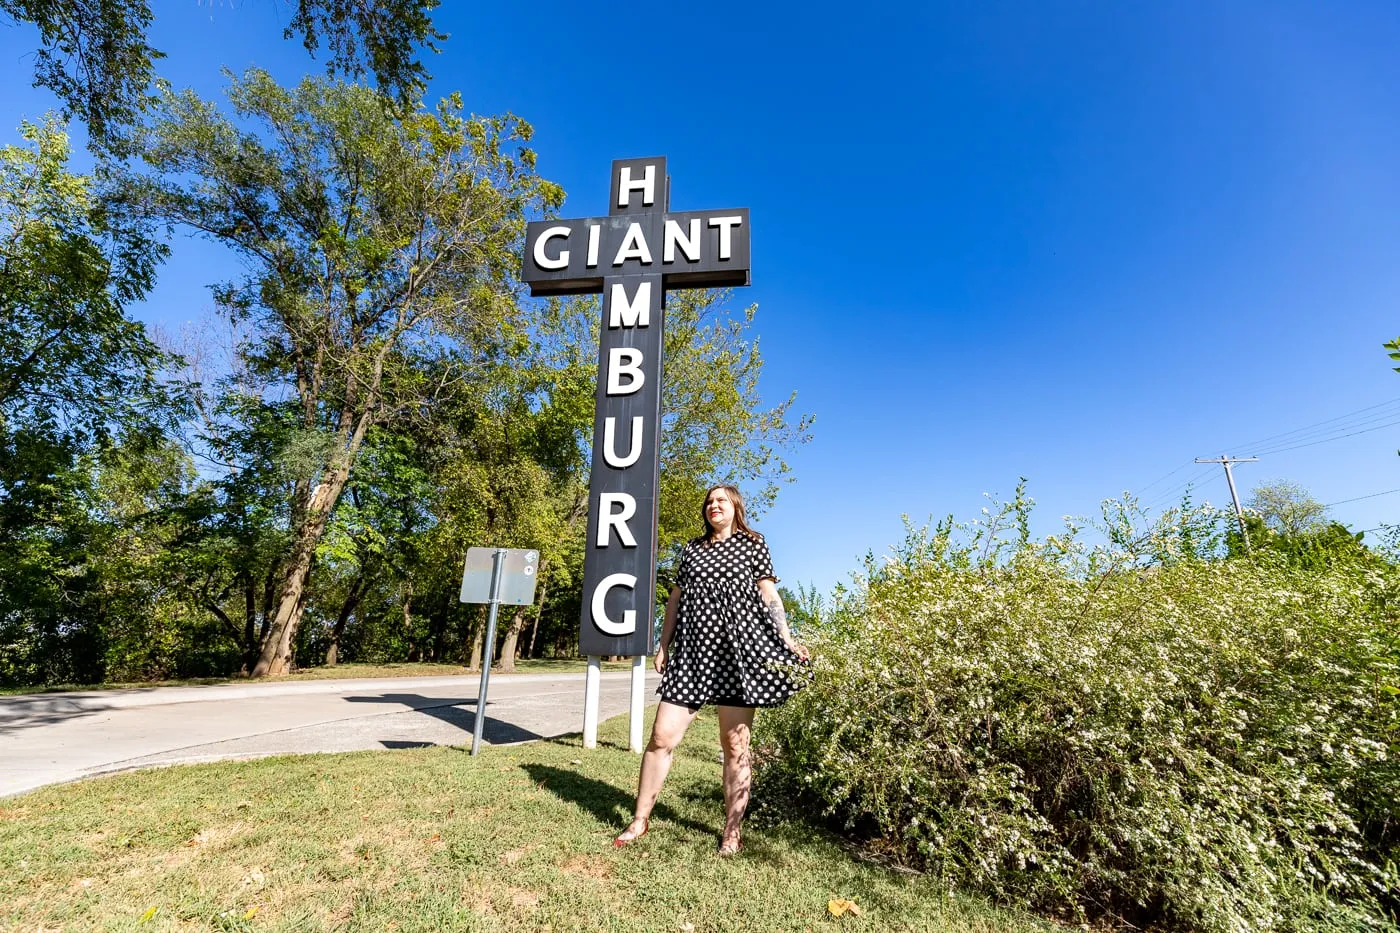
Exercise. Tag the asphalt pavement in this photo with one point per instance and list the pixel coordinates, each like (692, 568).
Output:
(50, 738)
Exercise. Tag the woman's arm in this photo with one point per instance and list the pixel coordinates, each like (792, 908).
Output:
(668, 629)
(774, 603)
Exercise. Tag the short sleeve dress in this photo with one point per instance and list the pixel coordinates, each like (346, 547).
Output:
(725, 650)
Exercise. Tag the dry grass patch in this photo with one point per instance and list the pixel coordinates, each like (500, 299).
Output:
(587, 866)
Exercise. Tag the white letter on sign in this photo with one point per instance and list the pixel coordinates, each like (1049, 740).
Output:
(634, 313)
(690, 245)
(633, 246)
(646, 185)
(607, 519)
(542, 259)
(631, 367)
(634, 445)
(593, 230)
(600, 613)
(725, 224)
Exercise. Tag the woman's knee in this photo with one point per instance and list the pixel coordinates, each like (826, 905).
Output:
(666, 736)
(662, 742)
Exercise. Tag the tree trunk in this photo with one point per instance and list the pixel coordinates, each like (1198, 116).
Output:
(539, 608)
(276, 655)
(517, 625)
(250, 622)
(479, 630)
(413, 653)
(352, 602)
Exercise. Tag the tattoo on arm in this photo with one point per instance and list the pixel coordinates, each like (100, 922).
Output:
(777, 614)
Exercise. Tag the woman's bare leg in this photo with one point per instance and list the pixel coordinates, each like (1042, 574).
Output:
(670, 726)
(734, 727)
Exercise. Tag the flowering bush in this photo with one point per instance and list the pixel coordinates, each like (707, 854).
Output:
(1141, 730)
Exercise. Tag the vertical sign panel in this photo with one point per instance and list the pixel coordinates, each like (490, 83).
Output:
(632, 256)
(619, 570)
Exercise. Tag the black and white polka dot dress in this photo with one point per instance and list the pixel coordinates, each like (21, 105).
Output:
(726, 651)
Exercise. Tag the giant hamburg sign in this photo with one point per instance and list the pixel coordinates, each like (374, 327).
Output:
(633, 256)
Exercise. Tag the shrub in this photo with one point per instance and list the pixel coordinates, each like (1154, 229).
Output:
(1140, 730)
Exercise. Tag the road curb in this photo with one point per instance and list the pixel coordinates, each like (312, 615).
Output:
(125, 698)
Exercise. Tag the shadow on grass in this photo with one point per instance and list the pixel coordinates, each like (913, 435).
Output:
(606, 802)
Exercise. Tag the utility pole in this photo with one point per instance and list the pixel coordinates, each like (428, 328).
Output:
(1226, 461)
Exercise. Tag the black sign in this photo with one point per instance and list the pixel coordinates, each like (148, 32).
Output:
(632, 256)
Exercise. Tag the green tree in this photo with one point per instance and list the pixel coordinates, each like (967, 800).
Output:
(78, 380)
(805, 608)
(71, 360)
(1287, 522)
(715, 424)
(1287, 508)
(374, 538)
(94, 54)
(381, 247)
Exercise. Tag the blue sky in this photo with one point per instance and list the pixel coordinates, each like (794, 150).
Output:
(1080, 242)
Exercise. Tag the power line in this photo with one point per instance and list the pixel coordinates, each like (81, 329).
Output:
(1280, 436)
(1363, 424)
(1164, 477)
(1172, 491)
(1336, 428)
(1359, 498)
(1328, 440)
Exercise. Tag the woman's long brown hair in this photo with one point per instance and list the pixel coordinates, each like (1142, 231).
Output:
(739, 524)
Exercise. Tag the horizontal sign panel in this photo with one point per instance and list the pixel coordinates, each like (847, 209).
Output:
(518, 575)
(689, 249)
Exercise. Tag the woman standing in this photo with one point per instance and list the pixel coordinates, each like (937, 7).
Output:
(725, 642)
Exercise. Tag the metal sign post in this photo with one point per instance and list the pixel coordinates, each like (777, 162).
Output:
(494, 576)
(634, 255)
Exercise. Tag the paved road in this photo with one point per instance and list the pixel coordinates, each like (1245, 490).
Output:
(56, 737)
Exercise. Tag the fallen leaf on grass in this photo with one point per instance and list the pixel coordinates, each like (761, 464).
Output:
(148, 915)
(434, 837)
(687, 928)
(251, 912)
(839, 905)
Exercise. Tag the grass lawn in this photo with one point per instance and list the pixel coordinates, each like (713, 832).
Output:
(433, 839)
(346, 672)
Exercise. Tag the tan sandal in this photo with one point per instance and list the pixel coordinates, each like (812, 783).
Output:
(729, 845)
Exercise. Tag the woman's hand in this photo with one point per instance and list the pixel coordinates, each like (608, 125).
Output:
(799, 650)
(659, 660)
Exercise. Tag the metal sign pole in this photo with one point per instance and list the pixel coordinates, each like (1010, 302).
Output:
(487, 647)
